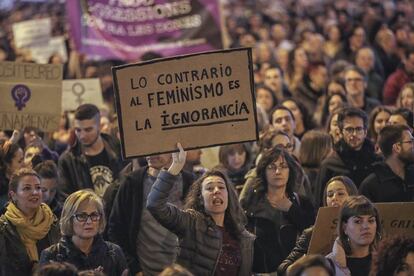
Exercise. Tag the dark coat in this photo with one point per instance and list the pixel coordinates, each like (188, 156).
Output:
(383, 185)
(200, 238)
(357, 165)
(394, 84)
(74, 166)
(300, 249)
(125, 218)
(13, 255)
(105, 254)
(275, 240)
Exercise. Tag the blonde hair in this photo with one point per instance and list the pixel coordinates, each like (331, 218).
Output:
(71, 206)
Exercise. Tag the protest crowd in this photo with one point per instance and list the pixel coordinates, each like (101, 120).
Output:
(334, 92)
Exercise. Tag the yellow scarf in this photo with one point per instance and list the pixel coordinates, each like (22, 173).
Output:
(31, 230)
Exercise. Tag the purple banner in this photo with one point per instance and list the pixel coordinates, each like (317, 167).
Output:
(126, 29)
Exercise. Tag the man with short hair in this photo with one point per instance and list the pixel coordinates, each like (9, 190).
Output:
(390, 181)
(311, 90)
(148, 246)
(49, 180)
(282, 119)
(353, 154)
(365, 59)
(355, 85)
(93, 160)
(401, 116)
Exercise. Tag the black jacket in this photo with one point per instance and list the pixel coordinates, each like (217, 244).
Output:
(105, 254)
(126, 214)
(275, 239)
(74, 166)
(13, 255)
(300, 249)
(383, 185)
(357, 165)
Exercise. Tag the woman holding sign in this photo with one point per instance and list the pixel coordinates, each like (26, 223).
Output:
(359, 231)
(213, 239)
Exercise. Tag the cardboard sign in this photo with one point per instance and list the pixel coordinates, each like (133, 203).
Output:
(32, 32)
(396, 218)
(81, 91)
(31, 95)
(200, 100)
(41, 54)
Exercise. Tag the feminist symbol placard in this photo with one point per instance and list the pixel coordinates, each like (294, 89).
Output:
(21, 95)
(78, 89)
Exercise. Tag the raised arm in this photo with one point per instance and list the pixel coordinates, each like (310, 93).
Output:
(165, 213)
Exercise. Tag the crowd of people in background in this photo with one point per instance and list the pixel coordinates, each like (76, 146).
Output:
(334, 91)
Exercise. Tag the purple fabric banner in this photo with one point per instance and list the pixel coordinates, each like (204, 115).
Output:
(126, 29)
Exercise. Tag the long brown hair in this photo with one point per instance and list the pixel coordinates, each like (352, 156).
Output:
(234, 218)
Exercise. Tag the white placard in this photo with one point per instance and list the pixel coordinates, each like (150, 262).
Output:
(81, 91)
(32, 32)
(41, 54)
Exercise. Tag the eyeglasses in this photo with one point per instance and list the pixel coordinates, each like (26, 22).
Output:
(287, 146)
(409, 141)
(351, 130)
(283, 166)
(354, 80)
(83, 217)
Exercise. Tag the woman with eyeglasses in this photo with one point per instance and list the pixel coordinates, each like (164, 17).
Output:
(277, 138)
(276, 214)
(27, 227)
(82, 245)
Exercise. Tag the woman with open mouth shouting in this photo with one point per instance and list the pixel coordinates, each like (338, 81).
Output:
(213, 240)
(27, 227)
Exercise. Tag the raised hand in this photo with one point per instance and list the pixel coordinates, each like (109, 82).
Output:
(178, 161)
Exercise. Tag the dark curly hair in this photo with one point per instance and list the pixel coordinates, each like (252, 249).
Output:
(234, 218)
(390, 255)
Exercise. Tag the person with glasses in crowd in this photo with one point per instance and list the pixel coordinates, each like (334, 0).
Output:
(356, 85)
(82, 222)
(276, 214)
(392, 180)
(268, 140)
(27, 227)
(353, 155)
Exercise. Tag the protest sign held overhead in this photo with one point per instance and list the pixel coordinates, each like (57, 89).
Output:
(31, 96)
(128, 29)
(396, 218)
(81, 91)
(56, 45)
(199, 100)
(32, 32)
